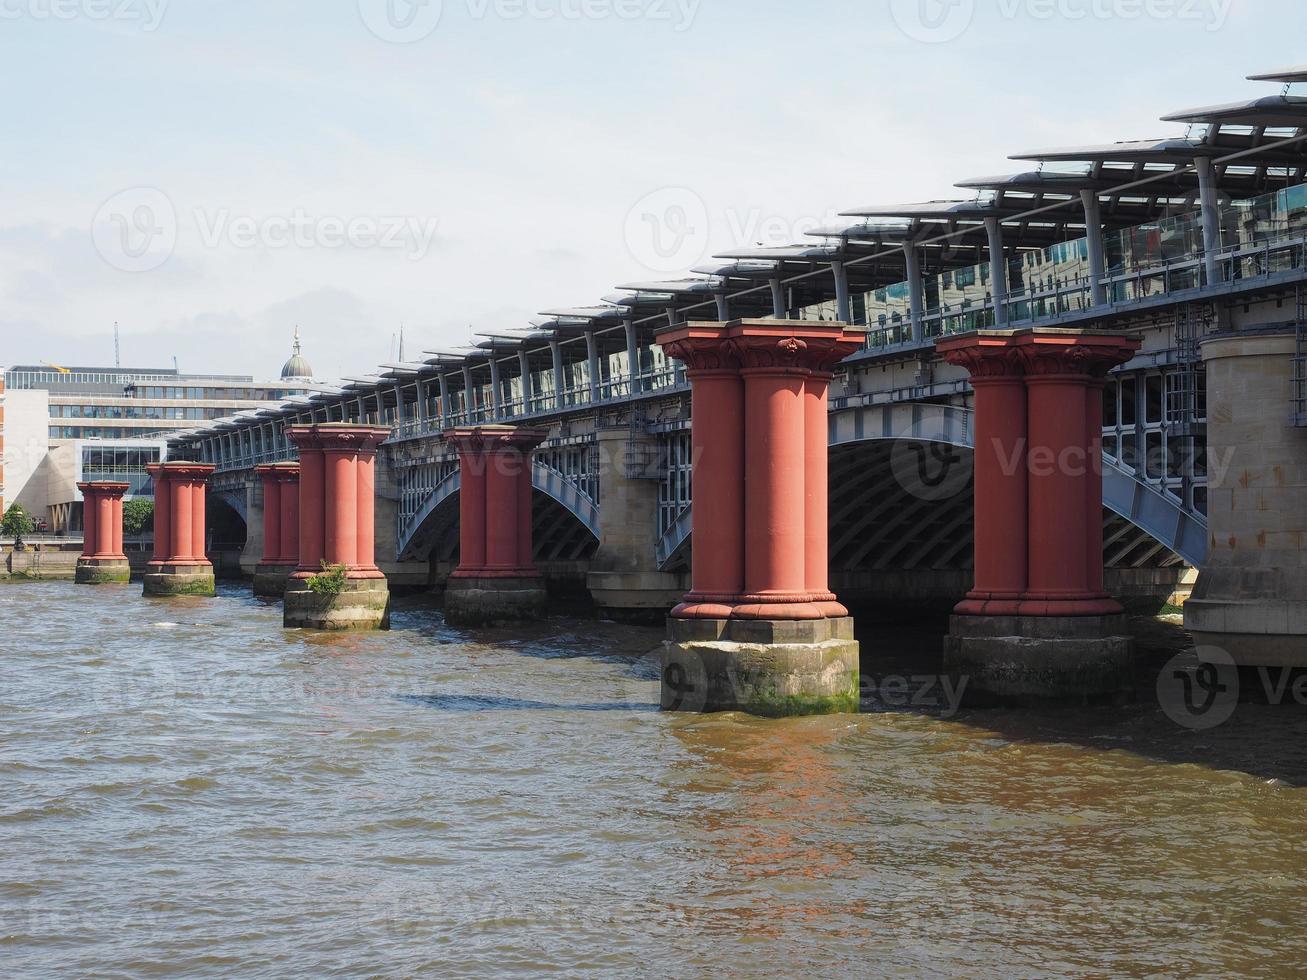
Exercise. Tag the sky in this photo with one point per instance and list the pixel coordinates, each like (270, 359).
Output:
(209, 174)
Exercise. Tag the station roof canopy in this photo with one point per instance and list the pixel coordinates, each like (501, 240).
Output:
(1257, 146)
(694, 286)
(586, 314)
(1267, 112)
(1286, 75)
(406, 370)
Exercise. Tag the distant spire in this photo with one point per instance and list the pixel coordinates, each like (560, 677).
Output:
(401, 343)
(296, 347)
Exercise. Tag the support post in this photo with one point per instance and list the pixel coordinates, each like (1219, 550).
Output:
(470, 395)
(180, 566)
(280, 528)
(1251, 596)
(760, 631)
(778, 309)
(496, 580)
(843, 303)
(592, 357)
(560, 376)
(723, 305)
(1039, 624)
(337, 520)
(496, 394)
(633, 356)
(103, 561)
(1210, 204)
(444, 398)
(916, 289)
(1097, 254)
(997, 270)
(528, 394)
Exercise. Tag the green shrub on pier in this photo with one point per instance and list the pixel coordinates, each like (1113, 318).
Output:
(331, 581)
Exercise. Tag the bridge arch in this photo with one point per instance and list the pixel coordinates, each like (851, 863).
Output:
(909, 465)
(565, 518)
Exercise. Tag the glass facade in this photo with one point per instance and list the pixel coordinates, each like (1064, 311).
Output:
(121, 464)
(85, 402)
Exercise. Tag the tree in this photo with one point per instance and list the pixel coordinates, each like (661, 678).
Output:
(16, 523)
(138, 515)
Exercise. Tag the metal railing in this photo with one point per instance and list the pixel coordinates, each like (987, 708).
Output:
(1266, 237)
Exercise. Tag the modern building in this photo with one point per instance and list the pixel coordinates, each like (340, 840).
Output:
(65, 425)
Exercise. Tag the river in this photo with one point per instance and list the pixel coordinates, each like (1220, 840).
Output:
(189, 790)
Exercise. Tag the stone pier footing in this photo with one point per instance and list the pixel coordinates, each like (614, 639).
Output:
(1256, 615)
(1034, 659)
(772, 668)
(166, 579)
(363, 605)
(103, 571)
(635, 597)
(475, 602)
(270, 580)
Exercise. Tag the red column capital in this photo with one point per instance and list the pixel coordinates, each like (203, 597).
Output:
(489, 438)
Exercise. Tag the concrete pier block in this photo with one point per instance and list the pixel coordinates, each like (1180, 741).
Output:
(364, 604)
(166, 579)
(103, 571)
(270, 580)
(1032, 659)
(476, 602)
(771, 668)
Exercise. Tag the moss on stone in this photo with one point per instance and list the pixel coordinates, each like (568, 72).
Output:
(95, 576)
(769, 703)
(180, 586)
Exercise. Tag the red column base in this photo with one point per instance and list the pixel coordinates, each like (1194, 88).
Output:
(1038, 604)
(179, 563)
(787, 606)
(352, 572)
(522, 571)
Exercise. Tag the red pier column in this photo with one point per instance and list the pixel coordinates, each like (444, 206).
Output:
(496, 579)
(180, 566)
(271, 514)
(1039, 623)
(1039, 476)
(335, 509)
(760, 493)
(331, 507)
(102, 559)
(1001, 441)
(162, 512)
(280, 528)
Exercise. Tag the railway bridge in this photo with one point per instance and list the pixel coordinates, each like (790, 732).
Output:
(1190, 250)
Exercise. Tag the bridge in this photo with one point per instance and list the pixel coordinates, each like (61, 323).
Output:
(1194, 246)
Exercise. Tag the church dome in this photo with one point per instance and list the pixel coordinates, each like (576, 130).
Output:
(297, 366)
